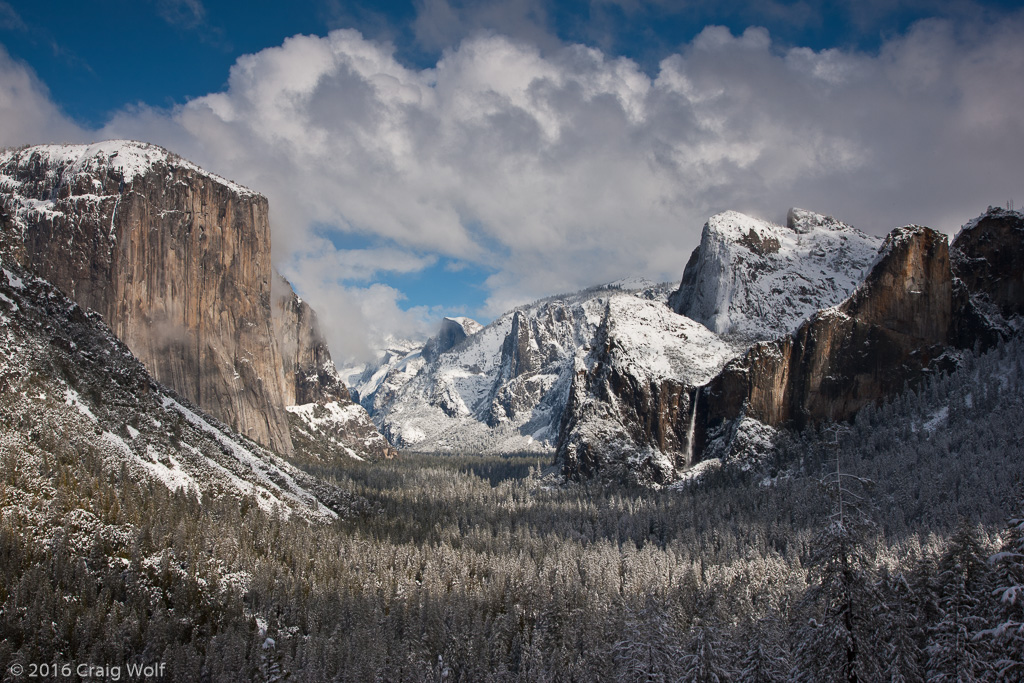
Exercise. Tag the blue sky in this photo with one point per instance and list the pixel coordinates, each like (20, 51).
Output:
(460, 157)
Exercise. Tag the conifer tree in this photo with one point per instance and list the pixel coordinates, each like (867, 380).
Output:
(964, 582)
(1007, 633)
(837, 642)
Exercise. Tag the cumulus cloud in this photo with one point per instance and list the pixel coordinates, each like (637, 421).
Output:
(27, 114)
(562, 167)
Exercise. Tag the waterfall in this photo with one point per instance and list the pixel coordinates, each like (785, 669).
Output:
(692, 427)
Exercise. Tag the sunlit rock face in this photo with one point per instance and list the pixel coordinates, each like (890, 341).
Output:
(177, 261)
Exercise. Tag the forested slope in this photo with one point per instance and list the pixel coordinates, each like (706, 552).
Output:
(433, 572)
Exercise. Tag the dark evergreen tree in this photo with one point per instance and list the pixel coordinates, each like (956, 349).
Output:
(838, 641)
(1007, 633)
(964, 582)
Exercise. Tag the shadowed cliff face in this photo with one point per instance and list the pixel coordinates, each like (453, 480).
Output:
(325, 423)
(988, 256)
(177, 261)
(629, 412)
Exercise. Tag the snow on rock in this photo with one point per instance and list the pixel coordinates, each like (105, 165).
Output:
(328, 428)
(756, 281)
(502, 388)
(129, 158)
(374, 385)
(73, 384)
(630, 410)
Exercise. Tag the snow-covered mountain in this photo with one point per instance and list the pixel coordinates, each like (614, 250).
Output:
(177, 261)
(67, 380)
(755, 280)
(630, 408)
(922, 304)
(374, 385)
(609, 373)
(500, 388)
(635, 383)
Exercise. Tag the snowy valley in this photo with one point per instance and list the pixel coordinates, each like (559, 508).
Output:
(798, 463)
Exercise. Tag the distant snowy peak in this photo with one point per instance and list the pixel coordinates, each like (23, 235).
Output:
(128, 158)
(453, 332)
(752, 279)
(375, 383)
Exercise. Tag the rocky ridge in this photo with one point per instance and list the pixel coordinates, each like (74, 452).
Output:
(905, 317)
(908, 318)
(324, 420)
(501, 388)
(607, 377)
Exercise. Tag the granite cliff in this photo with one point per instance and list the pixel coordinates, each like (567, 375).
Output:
(68, 385)
(914, 310)
(754, 280)
(177, 261)
(799, 324)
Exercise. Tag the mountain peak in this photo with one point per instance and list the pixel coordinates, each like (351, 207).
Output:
(756, 280)
(129, 159)
(804, 221)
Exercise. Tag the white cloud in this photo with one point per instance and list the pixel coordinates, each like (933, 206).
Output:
(27, 114)
(563, 167)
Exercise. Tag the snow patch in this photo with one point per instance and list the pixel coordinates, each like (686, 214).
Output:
(72, 398)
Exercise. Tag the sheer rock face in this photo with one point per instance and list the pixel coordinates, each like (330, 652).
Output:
(906, 314)
(175, 259)
(453, 332)
(309, 372)
(630, 409)
(325, 422)
(65, 377)
(988, 257)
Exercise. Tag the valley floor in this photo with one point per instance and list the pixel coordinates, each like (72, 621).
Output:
(477, 568)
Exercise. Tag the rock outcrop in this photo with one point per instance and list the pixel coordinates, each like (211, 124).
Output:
(988, 257)
(310, 375)
(630, 409)
(66, 382)
(898, 325)
(324, 420)
(453, 332)
(177, 261)
(918, 302)
(754, 280)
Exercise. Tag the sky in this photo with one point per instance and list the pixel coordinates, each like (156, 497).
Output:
(461, 157)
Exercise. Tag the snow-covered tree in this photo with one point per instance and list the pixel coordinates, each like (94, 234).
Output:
(964, 582)
(838, 641)
(1007, 634)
